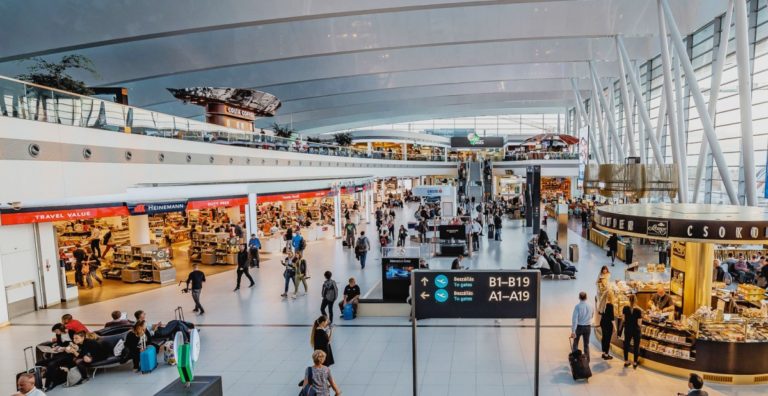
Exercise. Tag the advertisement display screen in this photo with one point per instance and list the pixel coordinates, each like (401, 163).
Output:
(492, 294)
(452, 232)
(396, 277)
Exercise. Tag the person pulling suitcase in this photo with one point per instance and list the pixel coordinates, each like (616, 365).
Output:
(581, 327)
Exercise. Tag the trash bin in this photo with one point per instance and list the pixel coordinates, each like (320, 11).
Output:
(573, 253)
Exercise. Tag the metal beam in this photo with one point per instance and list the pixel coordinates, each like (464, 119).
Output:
(681, 133)
(701, 107)
(635, 85)
(594, 143)
(599, 120)
(669, 93)
(629, 129)
(582, 115)
(745, 102)
(714, 92)
(608, 113)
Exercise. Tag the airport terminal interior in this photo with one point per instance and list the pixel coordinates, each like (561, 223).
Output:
(412, 197)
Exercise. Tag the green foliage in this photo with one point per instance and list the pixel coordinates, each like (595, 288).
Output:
(343, 139)
(283, 131)
(55, 74)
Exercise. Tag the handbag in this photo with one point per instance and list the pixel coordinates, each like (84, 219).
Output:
(608, 253)
(619, 327)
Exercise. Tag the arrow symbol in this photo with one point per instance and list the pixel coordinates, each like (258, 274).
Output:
(424, 295)
(424, 281)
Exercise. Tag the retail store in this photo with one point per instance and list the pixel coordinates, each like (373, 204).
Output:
(717, 329)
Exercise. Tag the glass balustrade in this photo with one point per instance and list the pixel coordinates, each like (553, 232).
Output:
(28, 101)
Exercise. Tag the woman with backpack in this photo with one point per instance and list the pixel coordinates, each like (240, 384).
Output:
(317, 378)
(402, 234)
(301, 274)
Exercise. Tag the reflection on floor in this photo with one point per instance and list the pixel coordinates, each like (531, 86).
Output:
(258, 341)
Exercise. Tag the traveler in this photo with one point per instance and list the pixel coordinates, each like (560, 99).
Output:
(136, 341)
(695, 383)
(254, 245)
(541, 264)
(456, 264)
(350, 231)
(301, 275)
(319, 377)
(73, 325)
(351, 296)
(289, 273)
(632, 317)
(298, 242)
(329, 294)
(196, 278)
(362, 246)
(402, 234)
(581, 323)
(243, 267)
(89, 351)
(158, 330)
(613, 246)
(320, 338)
(26, 386)
(497, 226)
(96, 241)
(79, 255)
(422, 229)
(118, 319)
(606, 326)
(91, 269)
(476, 229)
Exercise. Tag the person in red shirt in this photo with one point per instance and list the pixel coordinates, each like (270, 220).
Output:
(73, 325)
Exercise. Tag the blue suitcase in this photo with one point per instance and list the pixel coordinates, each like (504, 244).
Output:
(148, 360)
(348, 313)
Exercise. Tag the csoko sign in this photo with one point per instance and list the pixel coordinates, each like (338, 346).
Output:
(679, 229)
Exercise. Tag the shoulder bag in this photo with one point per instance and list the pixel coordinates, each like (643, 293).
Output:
(308, 390)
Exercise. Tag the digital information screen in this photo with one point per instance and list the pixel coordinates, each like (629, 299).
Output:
(492, 294)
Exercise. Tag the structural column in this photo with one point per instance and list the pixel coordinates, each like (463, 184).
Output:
(251, 210)
(405, 151)
(745, 102)
(138, 228)
(337, 213)
(368, 203)
(370, 149)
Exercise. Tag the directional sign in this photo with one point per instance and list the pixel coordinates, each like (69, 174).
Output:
(494, 294)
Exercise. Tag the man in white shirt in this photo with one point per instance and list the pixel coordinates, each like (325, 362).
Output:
(476, 230)
(541, 263)
(26, 386)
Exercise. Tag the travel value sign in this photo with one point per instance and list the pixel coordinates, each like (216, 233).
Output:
(493, 294)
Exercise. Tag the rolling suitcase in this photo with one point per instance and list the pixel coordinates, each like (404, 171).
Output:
(579, 365)
(34, 370)
(148, 360)
(348, 313)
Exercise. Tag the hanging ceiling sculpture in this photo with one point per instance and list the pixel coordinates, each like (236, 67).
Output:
(633, 181)
(261, 103)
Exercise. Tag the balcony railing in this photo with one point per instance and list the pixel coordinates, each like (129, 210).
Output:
(540, 155)
(28, 101)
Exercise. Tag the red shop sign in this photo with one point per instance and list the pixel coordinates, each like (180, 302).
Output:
(217, 203)
(292, 196)
(48, 216)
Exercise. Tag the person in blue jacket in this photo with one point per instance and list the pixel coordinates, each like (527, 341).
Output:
(298, 242)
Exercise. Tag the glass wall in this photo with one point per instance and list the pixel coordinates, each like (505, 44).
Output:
(496, 125)
(702, 48)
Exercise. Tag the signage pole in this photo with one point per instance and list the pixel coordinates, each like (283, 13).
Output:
(413, 334)
(538, 340)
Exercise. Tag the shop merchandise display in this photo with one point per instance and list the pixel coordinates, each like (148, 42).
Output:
(142, 263)
(214, 248)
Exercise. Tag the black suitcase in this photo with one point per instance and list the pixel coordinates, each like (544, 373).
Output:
(344, 244)
(579, 365)
(34, 370)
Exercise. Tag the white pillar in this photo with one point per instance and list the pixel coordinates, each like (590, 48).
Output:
(251, 220)
(745, 102)
(405, 151)
(234, 214)
(370, 149)
(368, 203)
(337, 214)
(138, 227)
(445, 154)
(669, 94)
(714, 92)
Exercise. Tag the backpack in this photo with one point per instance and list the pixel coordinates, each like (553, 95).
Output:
(360, 245)
(303, 267)
(302, 244)
(330, 292)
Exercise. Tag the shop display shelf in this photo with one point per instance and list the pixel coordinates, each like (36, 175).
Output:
(685, 344)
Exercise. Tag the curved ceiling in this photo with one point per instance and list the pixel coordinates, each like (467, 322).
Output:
(339, 64)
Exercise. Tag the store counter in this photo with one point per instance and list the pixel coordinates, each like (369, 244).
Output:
(600, 238)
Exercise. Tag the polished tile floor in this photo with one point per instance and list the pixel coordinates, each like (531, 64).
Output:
(259, 342)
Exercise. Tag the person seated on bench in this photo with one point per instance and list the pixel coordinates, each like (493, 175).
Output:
(157, 330)
(73, 325)
(89, 350)
(136, 342)
(56, 358)
(456, 264)
(351, 296)
(565, 264)
(541, 264)
(119, 319)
